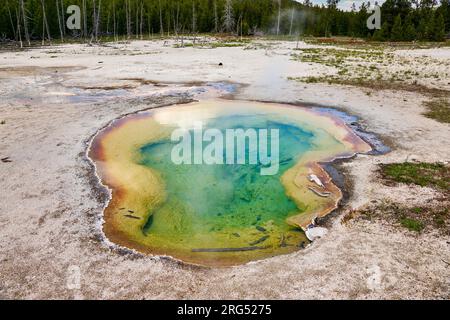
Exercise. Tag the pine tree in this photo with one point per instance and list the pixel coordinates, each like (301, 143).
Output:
(22, 19)
(439, 28)
(444, 9)
(409, 30)
(422, 30)
(397, 30)
(383, 33)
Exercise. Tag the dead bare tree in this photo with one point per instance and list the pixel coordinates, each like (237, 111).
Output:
(292, 21)
(59, 21)
(97, 22)
(128, 17)
(25, 23)
(182, 36)
(84, 19)
(238, 24)
(168, 26)
(137, 20)
(63, 18)
(141, 27)
(45, 25)
(108, 18)
(194, 18)
(18, 27)
(216, 18)
(228, 17)
(279, 17)
(161, 29)
(11, 20)
(242, 21)
(173, 18)
(114, 21)
(150, 29)
(175, 21)
(93, 22)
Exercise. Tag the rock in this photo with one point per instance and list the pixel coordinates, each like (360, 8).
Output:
(315, 233)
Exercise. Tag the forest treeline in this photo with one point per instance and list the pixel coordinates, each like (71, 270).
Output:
(401, 20)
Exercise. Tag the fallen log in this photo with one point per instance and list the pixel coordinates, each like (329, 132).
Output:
(324, 194)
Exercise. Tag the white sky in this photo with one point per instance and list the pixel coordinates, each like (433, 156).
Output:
(345, 4)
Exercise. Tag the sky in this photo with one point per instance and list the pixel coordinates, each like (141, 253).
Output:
(345, 4)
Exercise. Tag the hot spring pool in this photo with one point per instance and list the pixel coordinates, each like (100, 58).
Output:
(217, 214)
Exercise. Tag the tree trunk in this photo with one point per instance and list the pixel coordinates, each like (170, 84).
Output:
(279, 17)
(127, 14)
(93, 22)
(108, 21)
(97, 22)
(25, 23)
(137, 21)
(142, 20)
(228, 19)
(84, 20)
(175, 20)
(242, 21)
(45, 25)
(63, 18)
(292, 21)
(150, 30)
(18, 27)
(59, 21)
(114, 20)
(216, 18)
(168, 27)
(11, 20)
(194, 18)
(161, 30)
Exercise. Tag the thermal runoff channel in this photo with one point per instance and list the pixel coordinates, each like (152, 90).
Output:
(169, 199)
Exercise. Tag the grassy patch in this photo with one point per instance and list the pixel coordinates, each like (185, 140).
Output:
(412, 224)
(374, 67)
(362, 43)
(339, 57)
(229, 43)
(415, 219)
(435, 175)
(438, 109)
(375, 84)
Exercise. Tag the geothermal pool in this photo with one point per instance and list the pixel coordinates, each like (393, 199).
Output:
(223, 213)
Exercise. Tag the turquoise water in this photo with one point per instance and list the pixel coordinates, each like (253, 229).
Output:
(211, 199)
